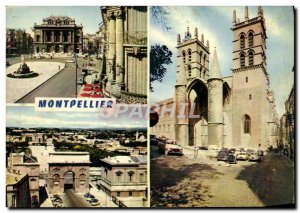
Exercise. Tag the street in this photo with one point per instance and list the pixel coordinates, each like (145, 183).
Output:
(181, 181)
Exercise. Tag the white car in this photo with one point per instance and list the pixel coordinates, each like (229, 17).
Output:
(242, 156)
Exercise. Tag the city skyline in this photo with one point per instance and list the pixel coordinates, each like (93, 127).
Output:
(27, 117)
(215, 24)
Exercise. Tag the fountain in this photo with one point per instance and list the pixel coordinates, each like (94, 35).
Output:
(23, 71)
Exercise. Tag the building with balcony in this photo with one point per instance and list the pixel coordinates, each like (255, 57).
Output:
(58, 34)
(125, 52)
(125, 178)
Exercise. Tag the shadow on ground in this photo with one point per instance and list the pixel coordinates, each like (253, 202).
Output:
(272, 181)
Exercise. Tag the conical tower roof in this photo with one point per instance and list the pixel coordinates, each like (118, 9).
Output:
(215, 68)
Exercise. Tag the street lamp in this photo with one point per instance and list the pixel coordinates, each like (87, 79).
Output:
(75, 58)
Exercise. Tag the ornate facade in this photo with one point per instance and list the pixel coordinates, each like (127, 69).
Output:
(69, 170)
(125, 53)
(59, 34)
(235, 111)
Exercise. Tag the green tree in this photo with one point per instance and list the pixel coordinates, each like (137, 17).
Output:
(160, 55)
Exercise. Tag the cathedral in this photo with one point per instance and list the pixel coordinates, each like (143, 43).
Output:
(233, 112)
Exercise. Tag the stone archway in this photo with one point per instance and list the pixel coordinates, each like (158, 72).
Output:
(69, 180)
(197, 95)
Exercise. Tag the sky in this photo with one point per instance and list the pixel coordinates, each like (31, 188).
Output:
(215, 24)
(24, 17)
(27, 117)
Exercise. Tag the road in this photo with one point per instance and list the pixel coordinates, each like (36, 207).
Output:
(185, 182)
(71, 199)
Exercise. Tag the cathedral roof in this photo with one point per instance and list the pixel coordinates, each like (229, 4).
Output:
(215, 68)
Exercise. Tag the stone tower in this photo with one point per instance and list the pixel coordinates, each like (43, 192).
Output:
(192, 63)
(215, 104)
(250, 80)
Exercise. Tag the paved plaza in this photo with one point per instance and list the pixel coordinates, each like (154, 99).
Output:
(16, 88)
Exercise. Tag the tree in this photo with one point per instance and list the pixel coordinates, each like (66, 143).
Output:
(160, 55)
(160, 16)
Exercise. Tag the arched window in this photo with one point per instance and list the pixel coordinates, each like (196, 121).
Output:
(190, 70)
(200, 56)
(204, 60)
(250, 39)
(246, 79)
(190, 55)
(183, 56)
(247, 124)
(242, 41)
(251, 58)
(250, 97)
(242, 60)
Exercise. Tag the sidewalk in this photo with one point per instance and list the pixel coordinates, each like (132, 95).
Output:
(17, 88)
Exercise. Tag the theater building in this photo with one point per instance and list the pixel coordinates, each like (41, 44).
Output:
(58, 34)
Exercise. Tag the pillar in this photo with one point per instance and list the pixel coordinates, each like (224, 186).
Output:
(119, 49)
(111, 46)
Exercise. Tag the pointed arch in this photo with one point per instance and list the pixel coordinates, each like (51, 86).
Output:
(250, 38)
(247, 124)
(242, 59)
(251, 57)
(242, 40)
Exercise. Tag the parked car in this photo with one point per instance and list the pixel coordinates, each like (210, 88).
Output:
(231, 158)
(222, 155)
(242, 156)
(254, 157)
(169, 147)
(80, 81)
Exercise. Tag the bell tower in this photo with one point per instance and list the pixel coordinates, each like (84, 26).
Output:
(192, 63)
(250, 80)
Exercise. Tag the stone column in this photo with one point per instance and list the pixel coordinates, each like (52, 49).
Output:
(119, 49)
(52, 36)
(111, 46)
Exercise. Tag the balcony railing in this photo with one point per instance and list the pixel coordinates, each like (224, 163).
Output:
(135, 37)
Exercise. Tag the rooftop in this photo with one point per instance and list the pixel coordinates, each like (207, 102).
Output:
(126, 160)
(69, 157)
(12, 178)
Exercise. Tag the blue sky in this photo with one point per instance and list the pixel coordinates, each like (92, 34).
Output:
(215, 24)
(24, 17)
(26, 116)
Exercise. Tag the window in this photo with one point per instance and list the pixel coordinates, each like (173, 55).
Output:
(190, 55)
(250, 39)
(130, 174)
(118, 194)
(251, 61)
(242, 41)
(183, 55)
(250, 97)
(141, 178)
(204, 60)
(190, 71)
(38, 37)
(247, 124)
(200, 56)
(242, 60)
(246, 79)
(130, 194)
(119, 174)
